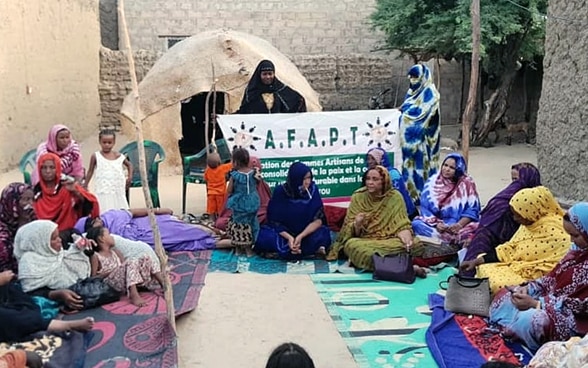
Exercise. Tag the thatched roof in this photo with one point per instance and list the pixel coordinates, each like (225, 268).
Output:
(186, 70)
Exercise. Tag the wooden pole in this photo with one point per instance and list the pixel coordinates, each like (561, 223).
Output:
(468, 114)
(137, 120)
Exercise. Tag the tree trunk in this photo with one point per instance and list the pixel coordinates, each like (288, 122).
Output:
(137, 120)
(494, 107)
(462, 94)
(469, 113)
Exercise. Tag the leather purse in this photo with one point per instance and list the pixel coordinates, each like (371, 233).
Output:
(396, 267)
(95, 292)
(467, 295)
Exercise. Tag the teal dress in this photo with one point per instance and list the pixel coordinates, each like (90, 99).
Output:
(244, 203)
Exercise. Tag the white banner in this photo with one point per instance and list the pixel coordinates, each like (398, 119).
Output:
(333, 144)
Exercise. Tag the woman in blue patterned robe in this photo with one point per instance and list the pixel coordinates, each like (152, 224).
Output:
(419, 130)
(450, 205)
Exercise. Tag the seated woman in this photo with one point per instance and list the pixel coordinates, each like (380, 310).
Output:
(375, 223)
(134, 224)
(61, 200)
(60, 143)
(15, 210)
(264, 192)
(497, 224)
(44, 267)
(378, 156)
(20, 316)
(450, 206)
(555, 306)
(535, 248)
(296, 223)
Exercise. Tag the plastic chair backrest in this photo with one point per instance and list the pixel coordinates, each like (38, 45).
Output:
(223, 150)
(152, 151)
(28, 159)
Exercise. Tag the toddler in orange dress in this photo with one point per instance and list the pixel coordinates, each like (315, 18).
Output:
(215, 176)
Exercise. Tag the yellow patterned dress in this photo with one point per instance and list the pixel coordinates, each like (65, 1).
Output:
(534, 249)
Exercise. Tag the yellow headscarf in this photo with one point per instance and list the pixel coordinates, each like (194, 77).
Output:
(535, 249)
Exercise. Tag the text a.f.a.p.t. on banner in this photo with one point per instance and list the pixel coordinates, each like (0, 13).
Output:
(332, 144)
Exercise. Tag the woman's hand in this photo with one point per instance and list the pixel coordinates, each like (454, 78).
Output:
(441, 227)
(71, 299)
(405, 237)
(6, 277)
(523, 301)
(294, 244)
(359, 218)
(467, 266)
(455, 228)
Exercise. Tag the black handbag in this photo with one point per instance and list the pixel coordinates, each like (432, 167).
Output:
(467, 295)
(95, 292)
(394, 267)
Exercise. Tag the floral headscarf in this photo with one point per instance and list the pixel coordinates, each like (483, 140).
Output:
(9, 215)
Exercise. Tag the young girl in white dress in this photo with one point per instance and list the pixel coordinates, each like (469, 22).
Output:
(109, 166)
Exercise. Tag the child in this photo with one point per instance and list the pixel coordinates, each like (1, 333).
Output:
(215, 176)
(289, 355)
(243, 200)
(110, 165)
(120, 273)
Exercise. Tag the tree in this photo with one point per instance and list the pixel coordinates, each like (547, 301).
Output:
(513, 33)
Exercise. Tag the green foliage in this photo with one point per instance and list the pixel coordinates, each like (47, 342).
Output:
(430, 28)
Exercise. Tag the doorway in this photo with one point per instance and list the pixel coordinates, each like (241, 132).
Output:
(193, 116)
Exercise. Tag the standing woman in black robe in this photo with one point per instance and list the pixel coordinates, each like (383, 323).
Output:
(265, 94)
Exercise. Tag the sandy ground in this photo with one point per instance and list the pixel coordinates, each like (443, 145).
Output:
(242, 317)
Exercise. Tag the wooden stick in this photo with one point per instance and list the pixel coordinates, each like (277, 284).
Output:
(137, 120)
(468, 114)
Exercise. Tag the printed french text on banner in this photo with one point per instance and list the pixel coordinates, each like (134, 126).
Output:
(333, 144)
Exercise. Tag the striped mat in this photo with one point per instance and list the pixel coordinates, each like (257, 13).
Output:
(383, 323)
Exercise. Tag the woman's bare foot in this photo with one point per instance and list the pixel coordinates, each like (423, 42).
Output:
(135, 297)
(249, 251)
(420, 272)
(84, 324)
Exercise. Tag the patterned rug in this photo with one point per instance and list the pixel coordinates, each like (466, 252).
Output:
(383, 323)
(128, 336)
(67, 349)
(226, 261)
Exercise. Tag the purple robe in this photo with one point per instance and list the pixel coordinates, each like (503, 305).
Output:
(497, 224)
(175, 235)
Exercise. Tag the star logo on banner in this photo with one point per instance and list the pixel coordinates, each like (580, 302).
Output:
(243, 137)
(378, 133)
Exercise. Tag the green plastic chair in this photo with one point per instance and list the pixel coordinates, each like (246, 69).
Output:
(28, 160)
(193, 168)
(154, 154)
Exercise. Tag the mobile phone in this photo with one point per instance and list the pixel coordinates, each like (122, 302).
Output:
(67, 178)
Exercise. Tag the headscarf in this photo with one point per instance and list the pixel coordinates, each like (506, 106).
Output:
(422, 99)
(578, 215)
(286, 99)
(58, 204)
(9, 215)
(454, 197)
(498, 205)
(444, 188)
(535, 203)
(291, 207)
(70, 156)
(386, 182)
(42, 266)
(535, 249)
